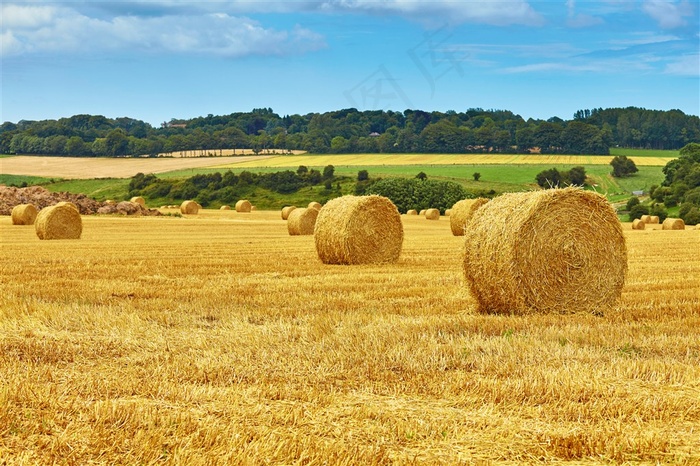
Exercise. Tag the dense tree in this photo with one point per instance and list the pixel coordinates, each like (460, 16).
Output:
(623, 166)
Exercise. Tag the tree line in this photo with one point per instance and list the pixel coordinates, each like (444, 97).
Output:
(353, 131)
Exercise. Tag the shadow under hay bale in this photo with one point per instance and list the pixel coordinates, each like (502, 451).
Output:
(58, 222)
(556, 250)
(359, 230)
(243, 206)
(462, 211)
(189, 207)
(24, 214)
(302, 221)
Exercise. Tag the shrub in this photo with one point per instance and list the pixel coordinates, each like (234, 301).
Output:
(633, 201)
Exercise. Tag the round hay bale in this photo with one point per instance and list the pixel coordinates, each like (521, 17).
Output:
(315, 205)
(530, 252)
(286, 211)
(225, 207)
(462, 211)
(69, 204)
(189, 207)
(645, 218)
(422, 212)
(653, 220)
(412, 212)
(432, 214)
(243, 206)
(302, 221)
(58, 222)
(23, 214)
(359, 230)
(138, 200)
(253, 208)
(448, 212)
(637, 224)
(673, 224)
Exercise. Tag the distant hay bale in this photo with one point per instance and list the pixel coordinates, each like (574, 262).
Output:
(422, 212)
(412, 212)
(302, 221)
(189, 208)
(638, 224)
(315, 205)
(225, 207)
(645, 218)
(23, 214)
(359, 230)
(432, 214)
(253, 208)
(286, 211)
(58, 222)
(111, 202)
(555, 250)
(139, 200)
(448, 212)
(243, 206)
(462, 211)
(653, 220)
(673, 224)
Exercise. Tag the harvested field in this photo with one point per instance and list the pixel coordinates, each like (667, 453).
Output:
(248, 350)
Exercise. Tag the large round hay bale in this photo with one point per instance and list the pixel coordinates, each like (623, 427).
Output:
(653, 220)
(243, 206)
(638, 224)
(58, 222)
(286, 211)
(412, 212)
(645, 218)
(23, 214)
(189, 207)
(530, 252)
(315, 205)
(139, 200)
(462, 211)
(302, 221)
(359, 230)
(225, 207)
(432, 214)
(673, 224)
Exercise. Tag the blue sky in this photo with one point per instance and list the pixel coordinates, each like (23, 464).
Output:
(158, 60)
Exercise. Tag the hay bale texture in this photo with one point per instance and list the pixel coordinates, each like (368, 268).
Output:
(638, 224)
(359, 230)
(645, 218)
(243, 206)
(462, 211)
(139, 200)
(302, 221)
(23, 214)
(653, 220)
(189, 207)
(225, 207)
(432, 214)
(412, 212)
(58, 222)
(68, 204)
(555, 250)
(673, 224)
(315, 205)
(286, 211)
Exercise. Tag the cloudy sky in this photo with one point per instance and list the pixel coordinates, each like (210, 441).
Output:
(158, 60)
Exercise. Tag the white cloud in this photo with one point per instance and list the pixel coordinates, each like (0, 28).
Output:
(687, 65)
(668, 13)
(27, 29)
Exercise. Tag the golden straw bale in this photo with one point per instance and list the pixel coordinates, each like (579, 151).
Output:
(412, 212)
(111, 202)
(555, 250)
(286, 211)
(69, 204)
(462, 211)
(637, 224)
(24, 214)
(243, 206)
(253, 208)
(432, 214)
(359, 230)
(225, 207)
(448, 212)
(58, 222)
(422, 212)
(302, 221)
(645, 218)
(653, 220)
(189, 207)
(673, 224)
(139, 200)
(314, 205)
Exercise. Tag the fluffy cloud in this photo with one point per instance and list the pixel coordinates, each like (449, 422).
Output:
(668, 13)
(49, 28)
(688, 65)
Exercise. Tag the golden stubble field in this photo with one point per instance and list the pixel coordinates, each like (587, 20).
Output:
(220, 339)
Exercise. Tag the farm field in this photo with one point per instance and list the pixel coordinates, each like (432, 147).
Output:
(220, 339)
